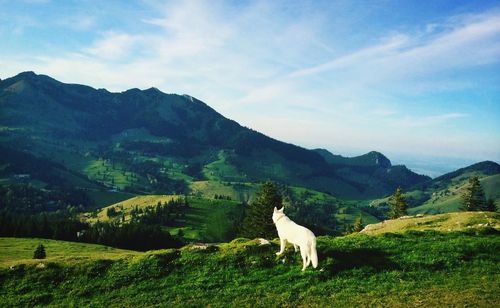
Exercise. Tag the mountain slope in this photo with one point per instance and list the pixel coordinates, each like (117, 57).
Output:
(443, 194)
(146, 141)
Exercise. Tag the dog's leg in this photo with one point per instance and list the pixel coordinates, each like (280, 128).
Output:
(303, 253)
(308, 258)
(296, 247)
(282, 249)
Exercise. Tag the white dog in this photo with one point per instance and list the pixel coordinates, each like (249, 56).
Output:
(298, 236)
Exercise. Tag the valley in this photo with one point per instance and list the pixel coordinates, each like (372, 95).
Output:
(108, 148)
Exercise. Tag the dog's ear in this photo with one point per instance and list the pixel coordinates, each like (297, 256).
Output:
(275, 209)
(281, 211)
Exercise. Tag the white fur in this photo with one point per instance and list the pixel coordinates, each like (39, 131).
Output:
(299, 236)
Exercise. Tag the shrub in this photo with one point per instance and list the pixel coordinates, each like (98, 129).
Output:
(39, 252)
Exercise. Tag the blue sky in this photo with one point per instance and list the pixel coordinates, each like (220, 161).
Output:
(407, 78)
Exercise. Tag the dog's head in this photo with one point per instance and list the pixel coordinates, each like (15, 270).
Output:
(277, 214)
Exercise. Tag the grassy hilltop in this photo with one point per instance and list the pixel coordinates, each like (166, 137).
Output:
(203, 220)
(413, 268)
(441, 222)
(444, 194)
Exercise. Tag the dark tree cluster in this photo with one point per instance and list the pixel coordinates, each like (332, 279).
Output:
(473, 198)
(25, 198)
(397, 204)
(164, 214)
(42, 225)
(39, 252)
(318, 216)
(162, 149)
(258, 215)
(135, 236)
(356, 227)
(222, 197)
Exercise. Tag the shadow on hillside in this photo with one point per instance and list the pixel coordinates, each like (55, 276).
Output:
(366, 259)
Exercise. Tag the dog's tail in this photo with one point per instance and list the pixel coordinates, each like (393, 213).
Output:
(314, 254)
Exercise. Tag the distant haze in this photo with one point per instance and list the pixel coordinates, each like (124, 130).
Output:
(432, 166)
(419, 79)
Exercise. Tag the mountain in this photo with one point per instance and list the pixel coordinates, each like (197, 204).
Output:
(146, 141)
(373, 159)
(373, 170)
(443, 194)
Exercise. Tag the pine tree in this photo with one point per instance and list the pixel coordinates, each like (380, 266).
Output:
(473, 197)
(358, 224)
(258, 217)
(397, 204)
(490, 205)
(39, 252)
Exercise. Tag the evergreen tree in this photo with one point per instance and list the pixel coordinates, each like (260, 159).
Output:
(358, 224)
(39, 252)
(258, 217)
(473, 198)
(397, 204)
(490, 205)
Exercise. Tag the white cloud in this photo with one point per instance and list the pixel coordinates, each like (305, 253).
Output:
(78, 22)
(356, 58)
(284, 75)
(113, 46)
(426, 121)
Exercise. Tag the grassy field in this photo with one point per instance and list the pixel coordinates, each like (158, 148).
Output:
(415, 269)
(461, 221)
(347, 216)
(240, 191)
(20, 250)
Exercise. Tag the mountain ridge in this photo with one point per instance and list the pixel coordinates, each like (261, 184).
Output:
(153, 126)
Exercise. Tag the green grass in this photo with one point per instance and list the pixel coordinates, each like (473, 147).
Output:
(441, 222)
(20, 250)
(349, 214)
(450, 199)
(221, 169)
(239, 191)
(203, 220)
(416, 269)
(109, 174)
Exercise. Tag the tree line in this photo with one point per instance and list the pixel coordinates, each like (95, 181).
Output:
(136, 235)
(164, 214)
(27, 199)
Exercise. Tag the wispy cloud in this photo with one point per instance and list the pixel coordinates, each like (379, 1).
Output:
(467, 43)
(427, 121)
(256, 60)
(357, 58)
